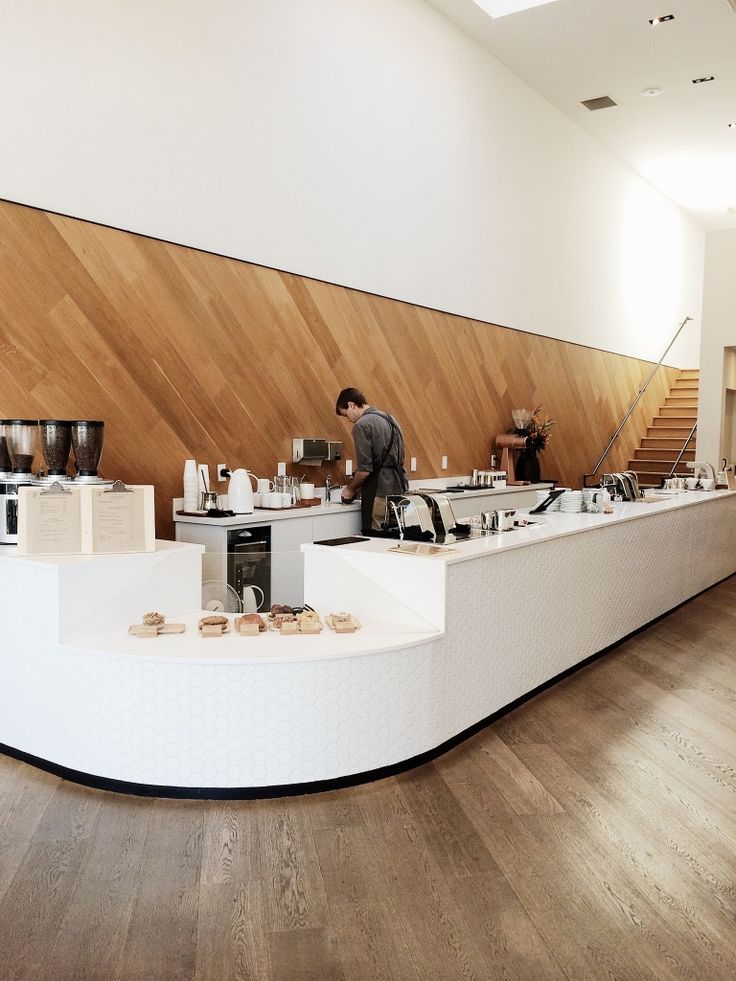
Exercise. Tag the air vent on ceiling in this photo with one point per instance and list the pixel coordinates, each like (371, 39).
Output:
(602, 102)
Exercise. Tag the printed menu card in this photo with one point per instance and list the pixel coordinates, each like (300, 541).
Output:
(102, 519)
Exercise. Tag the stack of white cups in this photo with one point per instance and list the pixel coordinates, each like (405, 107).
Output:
(191, 486)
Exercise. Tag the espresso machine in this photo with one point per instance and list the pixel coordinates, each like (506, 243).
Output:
(18, 441)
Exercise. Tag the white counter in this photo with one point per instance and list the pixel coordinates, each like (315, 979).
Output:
(293, 527)
(445, 643)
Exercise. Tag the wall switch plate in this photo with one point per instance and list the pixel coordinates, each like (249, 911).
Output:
(280, 469)
(413, 464)
(348, 468)
(222, 471)
(444, 463)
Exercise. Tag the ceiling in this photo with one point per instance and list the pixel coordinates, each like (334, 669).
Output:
(571, 50)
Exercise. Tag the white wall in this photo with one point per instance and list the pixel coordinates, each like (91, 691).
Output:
(718, 335)
(371, 144)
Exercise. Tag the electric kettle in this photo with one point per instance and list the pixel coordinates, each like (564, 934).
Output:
(240, 491)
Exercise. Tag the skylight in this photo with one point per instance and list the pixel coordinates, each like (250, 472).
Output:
(500, 8)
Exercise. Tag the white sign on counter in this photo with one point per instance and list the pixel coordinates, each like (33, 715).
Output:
(87, 520)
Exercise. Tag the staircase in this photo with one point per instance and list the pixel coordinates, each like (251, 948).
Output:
(664, 438)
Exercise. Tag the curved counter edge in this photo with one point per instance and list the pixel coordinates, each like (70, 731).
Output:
(317, 786)
(505, 626)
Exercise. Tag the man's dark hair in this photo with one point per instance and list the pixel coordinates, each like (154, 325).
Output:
(349, 395)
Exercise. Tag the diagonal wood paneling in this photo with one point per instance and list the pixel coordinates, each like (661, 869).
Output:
(184, 353)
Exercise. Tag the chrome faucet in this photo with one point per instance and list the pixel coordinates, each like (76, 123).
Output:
(328, 488)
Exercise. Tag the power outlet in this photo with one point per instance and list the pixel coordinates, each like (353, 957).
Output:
(413, 464)
(444, 463)
(348, 468)
(222, 471)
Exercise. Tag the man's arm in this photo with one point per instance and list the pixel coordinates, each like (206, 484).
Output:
(350, 490)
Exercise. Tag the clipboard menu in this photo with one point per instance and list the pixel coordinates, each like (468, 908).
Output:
(49, 521)
(87, 520)
(117, 520)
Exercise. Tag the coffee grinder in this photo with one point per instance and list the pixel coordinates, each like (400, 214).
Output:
(507, 443)
(87, 438)
(56, 444)
(18, 441)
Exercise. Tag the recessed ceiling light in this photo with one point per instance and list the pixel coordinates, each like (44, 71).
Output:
(705, 78)
(651, 92)
(500, 8)
(732, 125)
(661, 20)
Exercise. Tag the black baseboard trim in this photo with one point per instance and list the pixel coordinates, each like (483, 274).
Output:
(336, 783)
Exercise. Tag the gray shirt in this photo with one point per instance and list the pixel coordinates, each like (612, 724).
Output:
(372, 438)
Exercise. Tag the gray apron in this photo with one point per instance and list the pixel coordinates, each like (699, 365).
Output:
(369, 488)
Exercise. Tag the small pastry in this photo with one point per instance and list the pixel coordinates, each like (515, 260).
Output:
(280, 618)
(213, 621)
(251, 618)
(153, 619)
(278, 608)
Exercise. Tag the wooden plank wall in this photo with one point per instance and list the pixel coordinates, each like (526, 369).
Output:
(187, 354)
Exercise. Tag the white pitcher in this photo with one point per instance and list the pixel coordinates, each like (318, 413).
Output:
(240, 491)
(249, 599)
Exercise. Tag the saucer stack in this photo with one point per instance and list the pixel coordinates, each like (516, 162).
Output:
(543, 495)
(571, 502)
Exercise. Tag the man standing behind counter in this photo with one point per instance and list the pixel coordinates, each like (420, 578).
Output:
(379, 455)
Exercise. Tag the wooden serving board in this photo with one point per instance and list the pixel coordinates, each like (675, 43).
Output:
(213, 630)
(342, 627)
(144, 630)
(250, 630)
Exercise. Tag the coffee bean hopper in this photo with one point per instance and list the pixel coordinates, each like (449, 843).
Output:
(18, 440)
(88, 435)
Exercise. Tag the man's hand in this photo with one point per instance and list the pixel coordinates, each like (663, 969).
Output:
(347, 495)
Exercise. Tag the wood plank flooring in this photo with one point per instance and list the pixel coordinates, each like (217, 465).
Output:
(589, 834)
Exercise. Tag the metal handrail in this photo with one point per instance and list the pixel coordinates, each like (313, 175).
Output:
(682, 451)
(634, 404)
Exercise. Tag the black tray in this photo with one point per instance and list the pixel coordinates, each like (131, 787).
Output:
(348, 540)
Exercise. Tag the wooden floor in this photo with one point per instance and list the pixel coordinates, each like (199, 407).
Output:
(589, 834)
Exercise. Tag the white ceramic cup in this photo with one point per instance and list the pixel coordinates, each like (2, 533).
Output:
(257, 500)
(307, 491)
(249, 599)
(707, 483)
(272, 500)
(691, 483)
(265, 486)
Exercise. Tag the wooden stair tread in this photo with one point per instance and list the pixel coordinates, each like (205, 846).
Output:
(655, 456)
